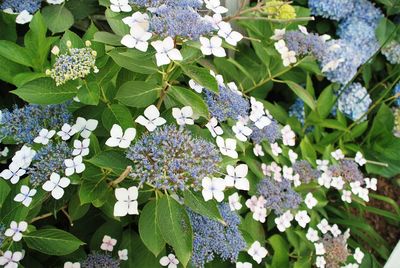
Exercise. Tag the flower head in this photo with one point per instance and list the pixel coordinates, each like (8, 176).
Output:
(97, 260)
(354, 102)
(18, 6)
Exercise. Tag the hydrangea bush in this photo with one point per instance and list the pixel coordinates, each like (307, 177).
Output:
(197, 133)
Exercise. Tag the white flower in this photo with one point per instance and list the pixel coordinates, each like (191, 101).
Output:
(85, 126)
(322, 165)
(319, 248)
(213, 127)
(123, 254)
(74, 165)
(292, 156)
(288, 57)
(218, 77)
(69, 264)
(259, 118)
(358, 255)
(302, 218)
(237, 177)
(81, 147)
(213, 188)
(137, 38)
(214, 20)
(257, 252)
(276, 150)
(257, 150)
(332, 65)
(288, 136)
(325, 180)
(278, 34)
(196, 87)
(25, 196)
(335, 231)
(254, 203)
(215, 5)
(281, 47)
(166, 51)
(346, 196)
(360, 159)
(232, 86)
(120, 5)
(66, 132)
(151, 119)
(310, 201)
(108, 243)
(320, 262)
(303, 29)
(212, 46)
(227, 147)
(284, 221)
(260, 214)
(183, 116)
(355, 187)
(323, 226)
(24, 156)
(241, 131)
(171, 261)
(23, 17)
(337, 182)
(119, 138)
(5, 152)
(371, 183)
(363, 194)
(234, 202)
(231, 37)
(338, 154)
(55, 2)
(16, 229)
(126, 202)
(137, 20)
(56, 185)
(312, 235)
(244, 265)
(44, 136)
(13, 173)
(10, 259)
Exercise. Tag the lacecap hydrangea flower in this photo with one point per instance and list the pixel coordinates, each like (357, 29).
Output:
(280, 10)
(171, 158)
(348, 170)
(305, 171)
(305, 44)
(270, 133)
(392, 52)
(100, 260)
(396, 92)
(18, 6)
(212, 238)
(336, 251)
(331, 9)
(76, 63)
(297, 110)
(24, 124)
(354, 102)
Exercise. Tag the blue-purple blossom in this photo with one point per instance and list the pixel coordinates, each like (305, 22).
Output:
(279, 195)
(171, 158)
(20, 5)
(100, 260)
(270, 133)
(24, 124)
(212, 238)
(348, 170)
(331, 9)
(336, 251)
(227, 104)
(297, 110)
(367, 11)
(305, 44)
(2, 236)
(396, 92)
(354, 102)
(47, 160)
(306, 172)
(392, 52)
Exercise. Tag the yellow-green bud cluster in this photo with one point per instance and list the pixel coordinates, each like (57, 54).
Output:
(76, 63)
(396, 114)
(280, 10)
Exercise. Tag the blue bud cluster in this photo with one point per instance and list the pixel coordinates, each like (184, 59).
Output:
(20, 5)
(331, 9)
(396, 92)
(348, 170)
(306, 172)
(270, 133)
(305, 44)
(100, 260)
(392, 52)
(354, 102)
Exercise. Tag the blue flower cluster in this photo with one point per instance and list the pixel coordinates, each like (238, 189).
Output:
(305, 44)
(336, 251)
(171, 158)
(270, 133)
(20, 5)
(211, 237)
(396, 91)
(24, 124)
(279, 196)
(177, 18)
(2, 236)
(297, 110)
(392, 52)
(47, 160)
(358, 20)
(348, 170)
(306, 172)
(227, 104)
(100, 260)
(354, 101)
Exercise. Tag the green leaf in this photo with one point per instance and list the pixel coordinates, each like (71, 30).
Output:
(196, 202)
(4, 191)
(325, 102)
(114, 161)
(148, 229)
(75, 209)
(116, 23)
(15, 53)
(107, 38)
(45, 91)
(385, 30)
(9, 74)
(135, 61)
(117, 114)
(58, 18)
(138, 94)
(201, 76)
(280, 257)
(52, 242)
(302, 94)
(308, 151)
(187, 97)
(93, 187)
(89, 93)
(175, 227)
